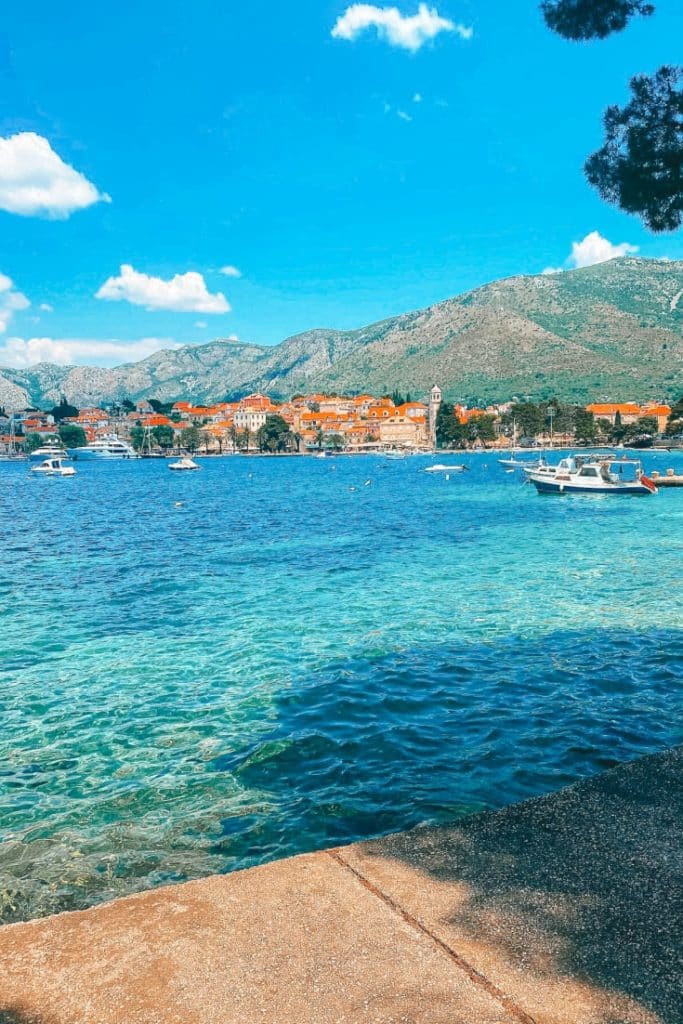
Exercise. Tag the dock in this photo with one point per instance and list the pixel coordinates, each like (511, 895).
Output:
(565, 909)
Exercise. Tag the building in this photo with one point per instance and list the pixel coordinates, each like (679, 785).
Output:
(434, 406)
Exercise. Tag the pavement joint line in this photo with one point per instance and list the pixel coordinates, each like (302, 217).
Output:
(480, 980)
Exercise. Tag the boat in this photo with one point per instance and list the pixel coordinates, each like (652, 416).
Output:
(109, 446)
(48, 451)
(53, 467)
(440, 468)
(586, 474)
(393, 454)
(184, 463)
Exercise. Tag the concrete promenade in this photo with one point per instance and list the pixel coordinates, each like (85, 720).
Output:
(562, 910)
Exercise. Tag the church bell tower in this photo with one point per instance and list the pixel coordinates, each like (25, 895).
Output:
(434, 404)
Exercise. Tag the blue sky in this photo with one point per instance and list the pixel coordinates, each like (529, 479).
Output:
(346, 178)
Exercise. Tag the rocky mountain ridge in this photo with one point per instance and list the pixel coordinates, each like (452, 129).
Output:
(611, 330)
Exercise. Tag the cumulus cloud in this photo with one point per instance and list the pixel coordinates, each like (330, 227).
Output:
(36, 182)
(409, 32)
(11, 301)
(591, 250)
(230, 271)
(596, 249)
(45, 307)
(184, 293)
(403, 116)
(202, 324)
(19, 353)
(417, 98)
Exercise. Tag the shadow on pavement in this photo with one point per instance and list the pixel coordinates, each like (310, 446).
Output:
(572, 900)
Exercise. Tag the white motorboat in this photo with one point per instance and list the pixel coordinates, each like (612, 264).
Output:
(440, 468)
(184, 463)
(48, 451)
(588, 474)
(53, 467)
(109, 446)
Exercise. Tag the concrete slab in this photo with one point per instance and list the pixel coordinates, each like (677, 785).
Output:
(563, 910)
(571, 904)
(298, 941)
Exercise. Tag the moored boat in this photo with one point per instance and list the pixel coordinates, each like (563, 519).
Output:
(185, 463)
(48, 451)
(53, 467)
(590, 475)
(109, 446)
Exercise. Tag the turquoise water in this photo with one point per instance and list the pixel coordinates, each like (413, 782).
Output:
(291, 659)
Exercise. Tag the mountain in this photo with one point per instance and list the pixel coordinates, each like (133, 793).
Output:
(612, 330)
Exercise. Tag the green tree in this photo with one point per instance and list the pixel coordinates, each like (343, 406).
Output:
(137, 438)
(584, 425)
(127, 405)
(163, 435)
(72, 436)
(63, 411)
(640, 165)
(192, 439)
(163, 408)
(274, 435)
(481, 428)
(674, 424)
(336, 442)
(33, 441)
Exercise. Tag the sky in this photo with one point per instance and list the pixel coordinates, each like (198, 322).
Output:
(173, 173)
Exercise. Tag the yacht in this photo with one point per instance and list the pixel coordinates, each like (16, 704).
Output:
(588, 474)
(53, 467)
(48, 451)
(109, 446)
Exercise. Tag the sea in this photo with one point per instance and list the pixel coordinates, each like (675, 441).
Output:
(201, 672)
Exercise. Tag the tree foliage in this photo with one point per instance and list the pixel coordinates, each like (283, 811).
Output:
(639, 168)
(591, 19)
(274, 435)
(72, 436)
(63, 411)
(640, 165)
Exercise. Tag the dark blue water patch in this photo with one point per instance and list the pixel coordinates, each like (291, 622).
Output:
(369, 746)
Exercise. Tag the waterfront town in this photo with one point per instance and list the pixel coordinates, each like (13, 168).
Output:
(314, 422)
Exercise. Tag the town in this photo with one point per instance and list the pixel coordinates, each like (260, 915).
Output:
(351, 423)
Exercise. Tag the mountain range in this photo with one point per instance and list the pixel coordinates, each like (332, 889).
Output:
(614, 330)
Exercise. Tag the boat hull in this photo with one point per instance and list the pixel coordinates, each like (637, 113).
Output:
(549, 485)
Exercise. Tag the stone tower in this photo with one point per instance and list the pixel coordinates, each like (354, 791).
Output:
(434, 404)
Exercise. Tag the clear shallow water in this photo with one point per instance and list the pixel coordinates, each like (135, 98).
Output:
(292, 659)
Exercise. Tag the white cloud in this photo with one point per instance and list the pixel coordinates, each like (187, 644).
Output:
(417, 98)
(406, 32)
(184, 293)
(201, 324)
(11, 301)
(19, 353)
(46, 307)
(596, 249)
(35, 181)
(230, 271)
(591, 250)
(402, 114)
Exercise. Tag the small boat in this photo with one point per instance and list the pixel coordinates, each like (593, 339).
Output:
(185, 463)
(394, 454)
(590, 475)
(53, 467)
(440, 468)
